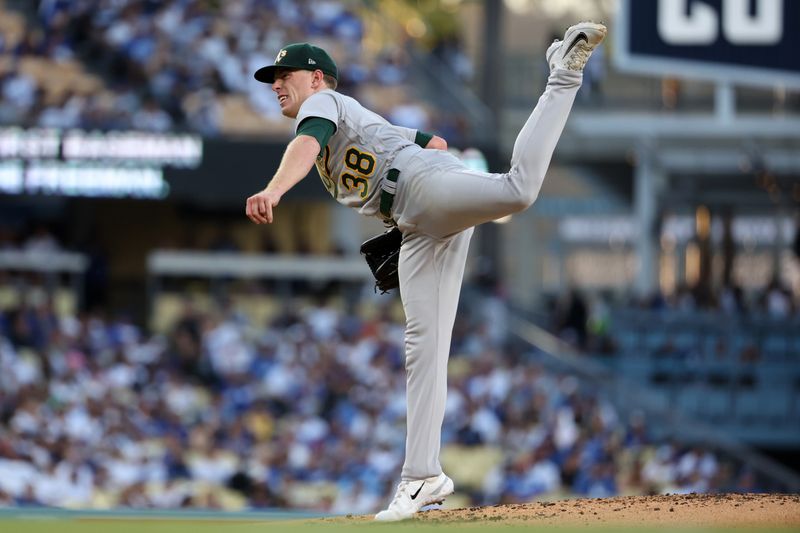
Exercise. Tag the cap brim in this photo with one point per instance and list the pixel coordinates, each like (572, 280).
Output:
(266, 74)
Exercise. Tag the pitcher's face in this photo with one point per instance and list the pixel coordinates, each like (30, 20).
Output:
(293, 87)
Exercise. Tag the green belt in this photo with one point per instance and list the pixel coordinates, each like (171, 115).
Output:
(388, 190)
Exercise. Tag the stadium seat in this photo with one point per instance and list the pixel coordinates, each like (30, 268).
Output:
(774, 405)
(655, 339)
(747, 408)
(659, 399)
(629, 340)
(686, 341)
(690, 399)
(635, 367)
(716, 403)
(775, 375)
(794, 402)
(775, 346)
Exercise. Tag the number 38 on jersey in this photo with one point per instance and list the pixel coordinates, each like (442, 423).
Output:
(358, 168)
(363, 165)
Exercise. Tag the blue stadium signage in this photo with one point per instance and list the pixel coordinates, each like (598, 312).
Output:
(752, 42)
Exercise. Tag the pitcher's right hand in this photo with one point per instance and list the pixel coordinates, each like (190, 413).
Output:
(259, 206)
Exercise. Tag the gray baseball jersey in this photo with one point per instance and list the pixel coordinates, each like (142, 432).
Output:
(438, 200)
(360, 152)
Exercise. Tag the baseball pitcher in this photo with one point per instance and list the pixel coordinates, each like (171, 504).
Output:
(408, 179)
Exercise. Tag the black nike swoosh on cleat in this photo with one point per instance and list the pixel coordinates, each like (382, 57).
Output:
(581, 36)
(414, 496)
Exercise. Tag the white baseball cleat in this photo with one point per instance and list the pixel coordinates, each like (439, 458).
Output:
(411, 496)
(550, 53)
(579, 41)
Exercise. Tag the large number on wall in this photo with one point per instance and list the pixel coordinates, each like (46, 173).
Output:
(699, 24)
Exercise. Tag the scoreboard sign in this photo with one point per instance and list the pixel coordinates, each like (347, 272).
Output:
(117, 164)
(752, 42)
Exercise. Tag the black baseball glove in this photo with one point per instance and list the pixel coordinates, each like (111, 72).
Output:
(382, 253)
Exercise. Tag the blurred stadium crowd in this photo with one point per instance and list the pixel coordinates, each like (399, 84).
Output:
(184, 65)
(307, 413)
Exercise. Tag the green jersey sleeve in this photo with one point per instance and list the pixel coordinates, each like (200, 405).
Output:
(320, 128)
(420, 138)
(423, 138)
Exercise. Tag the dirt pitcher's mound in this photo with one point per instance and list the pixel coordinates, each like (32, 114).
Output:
(701, 510)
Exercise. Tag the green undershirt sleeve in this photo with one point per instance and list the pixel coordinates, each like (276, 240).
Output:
(320, 128)
(423, 138)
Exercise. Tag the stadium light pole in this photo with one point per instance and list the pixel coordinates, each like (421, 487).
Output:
(491, 86)
(492, 93)
(646, 180)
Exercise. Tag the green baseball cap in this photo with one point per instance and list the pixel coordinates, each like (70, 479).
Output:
(301, 56)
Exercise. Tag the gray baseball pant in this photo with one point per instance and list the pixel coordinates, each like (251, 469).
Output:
(438, 202)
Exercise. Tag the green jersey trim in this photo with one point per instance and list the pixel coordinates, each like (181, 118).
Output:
(320, 128)
(422, 138)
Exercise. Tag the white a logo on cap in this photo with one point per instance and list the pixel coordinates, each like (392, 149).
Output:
(280, 56)
(311, 61)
